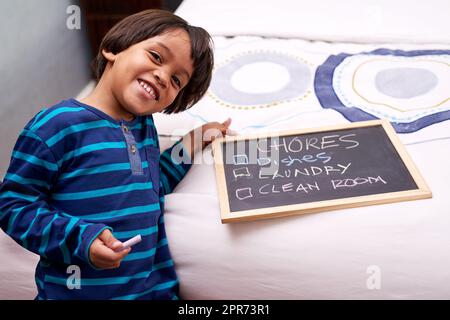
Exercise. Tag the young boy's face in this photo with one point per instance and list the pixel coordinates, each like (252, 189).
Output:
(146, 77)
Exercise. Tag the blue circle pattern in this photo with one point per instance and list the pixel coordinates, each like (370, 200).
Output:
(323, 86)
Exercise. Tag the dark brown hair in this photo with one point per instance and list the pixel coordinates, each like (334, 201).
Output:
(150, 23)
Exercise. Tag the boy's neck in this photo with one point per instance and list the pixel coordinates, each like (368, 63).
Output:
(104, 101)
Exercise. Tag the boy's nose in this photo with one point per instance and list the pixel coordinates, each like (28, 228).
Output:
(161, 77)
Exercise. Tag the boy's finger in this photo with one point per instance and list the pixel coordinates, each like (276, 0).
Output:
(105, 255)
(227, 123)
(109, 240)
(124, 253)
(116, 245)
(102, 264)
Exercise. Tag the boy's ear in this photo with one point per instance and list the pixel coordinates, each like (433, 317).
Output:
(111, 57)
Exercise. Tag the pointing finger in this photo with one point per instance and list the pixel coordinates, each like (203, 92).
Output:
(227, 123)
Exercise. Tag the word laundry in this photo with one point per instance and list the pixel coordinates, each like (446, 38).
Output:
(265, 173)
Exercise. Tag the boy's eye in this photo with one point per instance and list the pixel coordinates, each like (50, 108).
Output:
(177, 81)
(156, 56)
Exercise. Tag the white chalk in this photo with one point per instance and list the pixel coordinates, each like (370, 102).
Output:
(130, 242)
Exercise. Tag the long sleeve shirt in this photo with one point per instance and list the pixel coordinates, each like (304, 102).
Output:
(75, 172)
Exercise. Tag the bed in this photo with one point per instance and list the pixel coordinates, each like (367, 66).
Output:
(300, 64)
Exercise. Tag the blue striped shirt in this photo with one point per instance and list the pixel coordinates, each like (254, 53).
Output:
(75, 172)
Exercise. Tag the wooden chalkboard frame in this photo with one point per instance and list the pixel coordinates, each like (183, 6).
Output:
(227, 216)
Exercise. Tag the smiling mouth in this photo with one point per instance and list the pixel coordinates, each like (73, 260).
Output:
(151, 90)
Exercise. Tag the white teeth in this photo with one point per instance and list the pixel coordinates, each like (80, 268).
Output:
(148, 88)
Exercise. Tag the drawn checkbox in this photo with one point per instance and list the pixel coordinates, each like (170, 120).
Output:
(241, 172)
(244, 193)
(240, 159)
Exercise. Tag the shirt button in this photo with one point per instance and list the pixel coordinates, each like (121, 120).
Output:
(133, 149)
(125, 128)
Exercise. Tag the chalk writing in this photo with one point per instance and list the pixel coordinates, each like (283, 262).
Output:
(293, 169)
(349, 183)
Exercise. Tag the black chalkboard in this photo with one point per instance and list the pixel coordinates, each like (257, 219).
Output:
(309, 167)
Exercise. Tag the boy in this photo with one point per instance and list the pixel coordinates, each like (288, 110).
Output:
(87, 175)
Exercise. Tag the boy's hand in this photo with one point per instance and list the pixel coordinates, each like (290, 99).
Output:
(102, 251)
(212, 130)
(201, 137)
